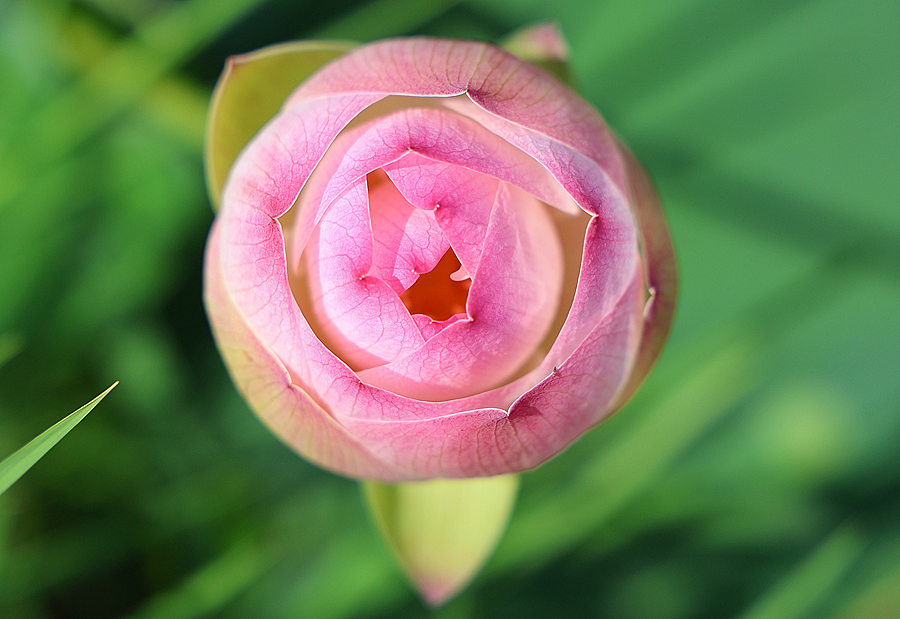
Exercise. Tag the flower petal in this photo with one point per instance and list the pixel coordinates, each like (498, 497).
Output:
(465, 198)
(362, 319)
(660, 272)
(264, 381)
(437, 134)
(408, 240)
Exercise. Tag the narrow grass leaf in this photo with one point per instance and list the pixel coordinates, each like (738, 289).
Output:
(811, 581)
(10, 345)
(13, 467)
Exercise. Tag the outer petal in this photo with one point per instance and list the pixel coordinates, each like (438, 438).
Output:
(264, 381)
(659, 271)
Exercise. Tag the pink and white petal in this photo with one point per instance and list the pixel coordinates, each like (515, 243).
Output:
(270, 172)
(291, 413)
(511, 304)
(309, 207)
(585, 389)
(429, 327)
(362, 319)
(541, 115)
(444, 136)
(587, 182)
(408, 240)
(608, 266)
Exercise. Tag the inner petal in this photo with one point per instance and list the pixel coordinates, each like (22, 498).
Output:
(435, 294)
(360, 316)
(407, 240)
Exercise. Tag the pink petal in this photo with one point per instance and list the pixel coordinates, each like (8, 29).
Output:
(362, 319)
(608, 267)
(465, 198)
(660, 272)
(430, 327)
(440, 135)
(408, 240)
(265, 382)
(274, 166)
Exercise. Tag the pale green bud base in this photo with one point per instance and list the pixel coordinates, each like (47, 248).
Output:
(442, 531)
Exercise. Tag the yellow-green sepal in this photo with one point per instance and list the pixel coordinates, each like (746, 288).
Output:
(249, 92)
(442, 531)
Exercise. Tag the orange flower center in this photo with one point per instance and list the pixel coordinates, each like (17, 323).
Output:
(435, 294)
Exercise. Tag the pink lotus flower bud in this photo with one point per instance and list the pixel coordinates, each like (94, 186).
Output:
(435, 260)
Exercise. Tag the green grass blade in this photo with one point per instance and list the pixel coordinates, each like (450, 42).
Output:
(13, 467)
(799, 592)
(10, 344)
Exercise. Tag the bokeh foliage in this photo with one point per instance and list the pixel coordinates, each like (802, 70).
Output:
(756, 475)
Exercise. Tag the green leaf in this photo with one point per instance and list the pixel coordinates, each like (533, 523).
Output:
(13, 467)
(442, 531)
(249, 92)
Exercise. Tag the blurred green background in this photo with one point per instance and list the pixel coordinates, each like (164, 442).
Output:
(756, 475)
